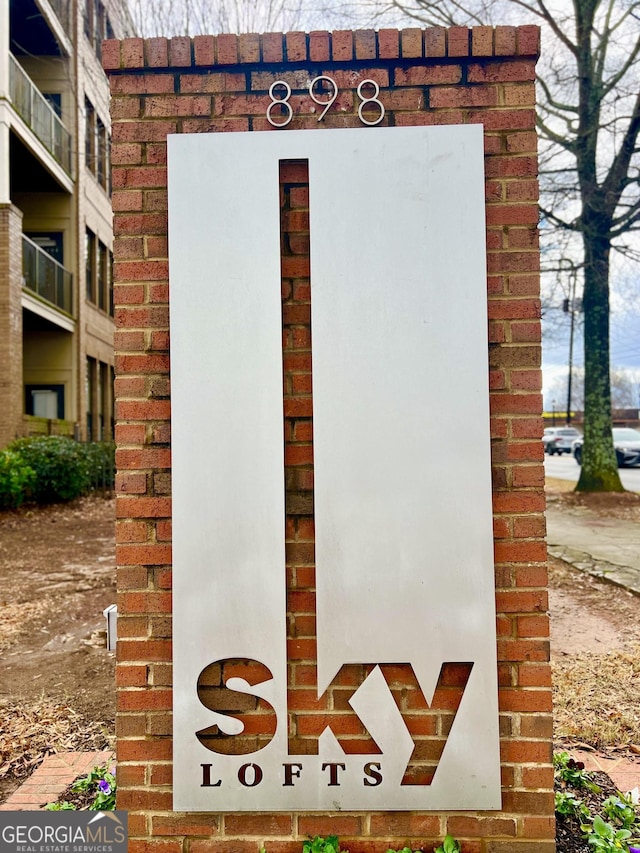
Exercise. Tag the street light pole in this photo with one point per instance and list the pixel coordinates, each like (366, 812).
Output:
(572, 315)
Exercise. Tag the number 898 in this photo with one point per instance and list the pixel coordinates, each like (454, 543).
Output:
(283, 102)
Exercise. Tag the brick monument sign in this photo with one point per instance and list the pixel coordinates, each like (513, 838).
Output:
(332, 611)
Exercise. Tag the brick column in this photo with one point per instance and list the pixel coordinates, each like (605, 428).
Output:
(217, 84)
(11, 384)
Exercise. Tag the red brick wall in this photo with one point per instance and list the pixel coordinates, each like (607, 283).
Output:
(213, 84)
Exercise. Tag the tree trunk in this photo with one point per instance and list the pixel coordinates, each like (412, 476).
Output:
(599, 471)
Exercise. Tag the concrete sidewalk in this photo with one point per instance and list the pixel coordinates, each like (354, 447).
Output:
(604, 547)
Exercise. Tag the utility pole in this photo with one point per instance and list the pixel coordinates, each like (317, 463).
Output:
(569, 306)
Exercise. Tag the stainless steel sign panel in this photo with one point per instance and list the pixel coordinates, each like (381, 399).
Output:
(227, 435)
(404, 547)
(403, 518)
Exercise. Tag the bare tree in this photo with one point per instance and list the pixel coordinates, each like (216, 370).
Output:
(196, 17)
(589, 121)
(624, 389)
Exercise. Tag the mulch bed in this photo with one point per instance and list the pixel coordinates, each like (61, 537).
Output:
(29, 733)
(569, 836)
(82, 800)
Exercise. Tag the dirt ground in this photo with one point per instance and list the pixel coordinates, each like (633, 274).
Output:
(57, 574)
(590, 615)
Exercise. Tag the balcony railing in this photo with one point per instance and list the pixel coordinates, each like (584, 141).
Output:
(47, 426)
(45, 276)
(38, 113)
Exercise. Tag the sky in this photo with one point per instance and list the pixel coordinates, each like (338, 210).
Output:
(624, 339)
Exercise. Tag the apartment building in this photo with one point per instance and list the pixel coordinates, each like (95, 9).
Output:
(56, 306)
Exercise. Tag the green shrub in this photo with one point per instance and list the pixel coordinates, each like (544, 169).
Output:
(50, 468)
(17, 479)
(60, 466)
(99, 457)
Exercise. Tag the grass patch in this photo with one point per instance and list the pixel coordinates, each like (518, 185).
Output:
(596, 698)
(553, 484)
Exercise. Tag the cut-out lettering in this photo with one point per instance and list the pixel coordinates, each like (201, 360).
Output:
(257, 716)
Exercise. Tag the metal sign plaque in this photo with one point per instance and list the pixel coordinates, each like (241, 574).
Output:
(404, 557)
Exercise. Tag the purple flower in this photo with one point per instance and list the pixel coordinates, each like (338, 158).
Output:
(104, 786)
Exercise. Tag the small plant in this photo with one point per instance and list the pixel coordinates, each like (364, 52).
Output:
(330, 844)
(101, 782)
(619, 811)
(568, 805)
(98, 787)
(449, 845)
(603, 836)
(572, 773)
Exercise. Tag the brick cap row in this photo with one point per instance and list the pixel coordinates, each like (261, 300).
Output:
(320, 46)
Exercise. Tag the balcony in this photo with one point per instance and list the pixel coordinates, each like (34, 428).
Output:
(38, 114)
(45, 277)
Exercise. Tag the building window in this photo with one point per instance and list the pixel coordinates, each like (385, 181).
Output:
(102, 145)
(90, 265)
(99, 390)
(103, 276)
(45, 401)
(97, 25)
(54, 99)
(88, 19)
(89, 135)
(104, 401)
(98, 269)
(97, 146)
(112, 386)
(50, 242)
(110, 283)
(90, 390)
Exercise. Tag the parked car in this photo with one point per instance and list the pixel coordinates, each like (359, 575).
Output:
(626, 442)
(559, 439)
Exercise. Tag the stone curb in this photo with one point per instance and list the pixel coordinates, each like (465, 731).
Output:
(620, 575)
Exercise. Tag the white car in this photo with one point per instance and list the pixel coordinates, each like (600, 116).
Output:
(626, 442)
(559, 439)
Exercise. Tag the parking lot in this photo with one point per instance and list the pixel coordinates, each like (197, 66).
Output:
(565, 467)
